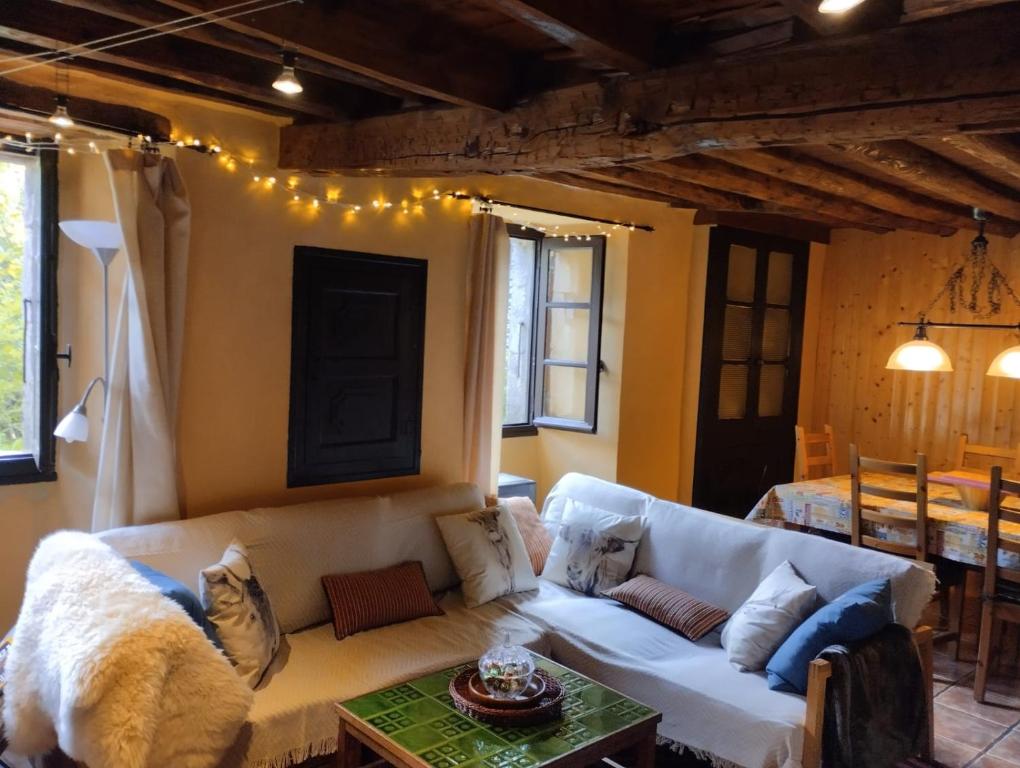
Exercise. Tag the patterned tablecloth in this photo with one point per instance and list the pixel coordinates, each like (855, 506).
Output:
(954, 532)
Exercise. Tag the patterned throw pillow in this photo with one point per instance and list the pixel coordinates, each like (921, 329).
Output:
(670, 606)
(378, 598)
(488, 554)
(536, 538)
(594, 549)
(240, 610)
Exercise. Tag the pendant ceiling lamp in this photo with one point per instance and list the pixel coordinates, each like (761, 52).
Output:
(287, 82)
(978, 286)
(837, 6)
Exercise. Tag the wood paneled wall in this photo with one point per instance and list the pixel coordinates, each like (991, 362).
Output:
(871, 282)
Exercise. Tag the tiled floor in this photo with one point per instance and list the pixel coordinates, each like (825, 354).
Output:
(969, 734)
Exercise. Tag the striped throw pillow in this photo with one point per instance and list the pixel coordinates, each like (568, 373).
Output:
(670, 606)
(370, 599)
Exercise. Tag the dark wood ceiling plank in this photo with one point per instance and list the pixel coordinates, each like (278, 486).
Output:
(17, 98)
(605, 185)
(44, 25)
(1000, 152)
(929, 171)
(611, 32)
(738, 180)
(951, 75)
(149, 14)
(917, 10)
(801, 168)
(464, 71)
(769, 223)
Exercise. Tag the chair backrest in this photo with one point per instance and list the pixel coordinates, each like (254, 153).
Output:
(918, 496)
(998, 579)
(966, 449)
(815, 449)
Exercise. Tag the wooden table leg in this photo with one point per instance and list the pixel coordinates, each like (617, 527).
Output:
(644, 750)
(348, 748)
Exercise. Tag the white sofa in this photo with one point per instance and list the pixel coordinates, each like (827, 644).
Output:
(708, 707)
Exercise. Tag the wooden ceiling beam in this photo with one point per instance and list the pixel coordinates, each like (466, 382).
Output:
(463, 70)
(769, 223)
(605, 185)
(925, 169)
(721, 175)
(16, 98)
(611, 32)
(695, 195)
(150, 14)
(917, 10)
(999, 151)
(951, 75)
(46, 26)
(800, 168)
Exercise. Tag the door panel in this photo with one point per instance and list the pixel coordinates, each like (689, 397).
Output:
(750, 368)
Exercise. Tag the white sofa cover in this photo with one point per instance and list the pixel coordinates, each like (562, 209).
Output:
(709, 707)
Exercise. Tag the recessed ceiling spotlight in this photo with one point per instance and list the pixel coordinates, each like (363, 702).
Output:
(287, 82)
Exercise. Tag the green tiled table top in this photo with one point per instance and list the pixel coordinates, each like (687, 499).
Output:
(420, 716)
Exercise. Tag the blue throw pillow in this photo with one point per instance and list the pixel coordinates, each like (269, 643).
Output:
(181, 595)
(854, 615)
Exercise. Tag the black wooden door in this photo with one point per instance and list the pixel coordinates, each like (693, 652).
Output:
(356, 366)
(750, 368)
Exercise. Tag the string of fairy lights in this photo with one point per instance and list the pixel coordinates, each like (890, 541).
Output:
(318, 196)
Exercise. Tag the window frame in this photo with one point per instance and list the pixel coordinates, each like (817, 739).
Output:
(593, 364)
(528, 428)
(27, 467)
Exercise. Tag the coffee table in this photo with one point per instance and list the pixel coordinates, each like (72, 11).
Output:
(416, 725)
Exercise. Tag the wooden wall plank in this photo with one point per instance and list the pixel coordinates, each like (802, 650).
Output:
(870, 284)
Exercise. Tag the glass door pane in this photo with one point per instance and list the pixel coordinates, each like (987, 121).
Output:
(570, 274)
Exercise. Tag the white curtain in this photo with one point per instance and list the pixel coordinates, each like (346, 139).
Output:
(137, 478)
(488, 274)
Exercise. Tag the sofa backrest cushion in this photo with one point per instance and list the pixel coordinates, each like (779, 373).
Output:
(292, 547)
(722, 560)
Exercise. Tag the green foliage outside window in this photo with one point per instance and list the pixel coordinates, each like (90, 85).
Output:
(12, 244)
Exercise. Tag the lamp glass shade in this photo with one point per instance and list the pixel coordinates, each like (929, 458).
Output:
(1006, 364)
(919, 355)
(287, 82)
(74, 427)
(837, 6)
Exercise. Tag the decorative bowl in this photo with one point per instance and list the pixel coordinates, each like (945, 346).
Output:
(506, 670)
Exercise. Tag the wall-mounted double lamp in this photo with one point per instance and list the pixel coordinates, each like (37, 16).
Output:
(920, 354)
(103, 238)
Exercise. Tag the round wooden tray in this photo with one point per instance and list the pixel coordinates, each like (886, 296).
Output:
(480, 695)
(546, 708)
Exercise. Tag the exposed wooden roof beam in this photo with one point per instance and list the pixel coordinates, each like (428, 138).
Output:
(16, 98)
(606, 185)
(959, 74)
(770, 223)
(693, 195)
(721, 175)
(611, 32)
(799, 168)
(999, 151)
(148, 14)
(465, 71)
(927, 170)
(916, 10)
(44, 25)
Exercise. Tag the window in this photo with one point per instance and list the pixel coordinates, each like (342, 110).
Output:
(553, 334)
(28, 379)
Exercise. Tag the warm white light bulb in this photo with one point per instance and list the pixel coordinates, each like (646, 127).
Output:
(919, 355)
(1006, 364)
(60, 116)
(837, 6)
(288, 82)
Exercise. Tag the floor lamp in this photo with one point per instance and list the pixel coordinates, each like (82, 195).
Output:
(103, 238)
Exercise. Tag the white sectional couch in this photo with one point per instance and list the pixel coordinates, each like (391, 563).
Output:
(708, 706)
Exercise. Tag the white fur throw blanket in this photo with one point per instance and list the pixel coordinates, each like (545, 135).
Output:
(114, 673)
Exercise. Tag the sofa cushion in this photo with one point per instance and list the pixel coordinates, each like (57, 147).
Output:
(767, 617)
(855, 615)
(371, 599)
(180, 594)
(536, 538)
(488, 553)
(706, 703)
(669, 606)
(293, 717)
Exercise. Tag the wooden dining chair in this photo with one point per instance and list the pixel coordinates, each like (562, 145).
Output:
(1000, 595)
(810, 457)
(948, 577)
(965, 450)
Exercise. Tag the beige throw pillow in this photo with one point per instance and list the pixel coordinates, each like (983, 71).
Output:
(236, 604)
(488, 554)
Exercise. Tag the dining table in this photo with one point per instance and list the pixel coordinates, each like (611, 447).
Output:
(957, 529)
